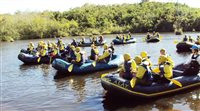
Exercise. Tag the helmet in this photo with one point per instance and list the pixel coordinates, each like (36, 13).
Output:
(105, 46)
(138, 59)
(127, 57)
(78, 49)
(72, 47)
(195, 47)
(143, 54)
(162, 59)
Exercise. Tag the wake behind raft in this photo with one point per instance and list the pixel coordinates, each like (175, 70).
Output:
(117, 85)
(62, 66)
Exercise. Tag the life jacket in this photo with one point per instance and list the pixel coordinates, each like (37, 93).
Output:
(82, 60)
(162, 66)
(148, 74)
(108, 58)
(127, 70)
(72, 54)
(43, 52)
(194, 64)
(93, 54)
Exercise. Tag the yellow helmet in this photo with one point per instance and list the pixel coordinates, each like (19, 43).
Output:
(143, 54)
(127, 57)
(78, 49)
(72, 47)
(105, 46)
(162, 59)
(138, 60)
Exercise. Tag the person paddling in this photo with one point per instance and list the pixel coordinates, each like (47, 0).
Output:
(192, 64)
(79, 58)
(128, 70)
(105, 58)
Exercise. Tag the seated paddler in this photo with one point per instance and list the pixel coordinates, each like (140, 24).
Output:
(128, 70)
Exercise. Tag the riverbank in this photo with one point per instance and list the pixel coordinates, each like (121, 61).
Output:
(99, 19)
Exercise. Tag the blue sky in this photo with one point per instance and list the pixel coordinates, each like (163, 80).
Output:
(11, 6)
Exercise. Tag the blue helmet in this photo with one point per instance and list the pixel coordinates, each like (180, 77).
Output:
(195, 47)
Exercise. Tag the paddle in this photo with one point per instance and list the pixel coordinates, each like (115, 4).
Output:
(50, 60)
(70, 68)
(176, 41)
(94, 63)
(133, 82)
(156, 71)
(38, 60)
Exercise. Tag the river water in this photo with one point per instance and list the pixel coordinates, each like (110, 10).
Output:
(33, 87)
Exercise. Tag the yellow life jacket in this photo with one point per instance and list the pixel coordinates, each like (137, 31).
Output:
(43, 52)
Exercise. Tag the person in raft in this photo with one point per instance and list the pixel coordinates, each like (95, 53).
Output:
(112, 48)
(79, 58)
(145, 57)
(82, 40)
(94, 52)
(105, 58)
(30, 48)
(164, 72)
(144, 74)
(192, 64)
(128, 70)
(74, 43)
(164, 53)
(185, 39)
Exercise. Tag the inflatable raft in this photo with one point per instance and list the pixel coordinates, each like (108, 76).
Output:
(184, 46)
(153, 39)
(89, 44)
(30, 59)
(115, 84)
(118, 41)
(62, 66)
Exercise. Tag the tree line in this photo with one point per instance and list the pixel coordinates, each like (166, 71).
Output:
(100, 19)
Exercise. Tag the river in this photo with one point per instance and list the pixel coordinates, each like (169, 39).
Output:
(33, 87)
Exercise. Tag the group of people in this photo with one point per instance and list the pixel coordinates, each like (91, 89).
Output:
(124, 37)
(94, 40)
(71, 52)
(190, 39)
(141, 67)
(154, 34)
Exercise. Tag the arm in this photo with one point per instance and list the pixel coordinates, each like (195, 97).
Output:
(105, 54)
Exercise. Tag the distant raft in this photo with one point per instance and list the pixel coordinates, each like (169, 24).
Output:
(117, 85)
(153, 39)
(31, 59)
(62, 66)
(89, 44)
(127, 41)
(184, 46)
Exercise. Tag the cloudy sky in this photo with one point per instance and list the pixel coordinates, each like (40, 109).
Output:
(11, 6)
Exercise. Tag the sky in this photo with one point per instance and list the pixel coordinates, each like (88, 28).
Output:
(12, 6)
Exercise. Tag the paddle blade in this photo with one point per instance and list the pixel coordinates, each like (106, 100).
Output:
(39, 59)
(176, 82)
(161, 37)
(94, 63)
(103, 75)
(70, 68)
(156, 70)
(176, 41)
(133, 82)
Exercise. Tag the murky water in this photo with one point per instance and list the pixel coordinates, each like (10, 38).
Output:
(33, 87)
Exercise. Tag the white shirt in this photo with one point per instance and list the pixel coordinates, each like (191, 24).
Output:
(190, 59)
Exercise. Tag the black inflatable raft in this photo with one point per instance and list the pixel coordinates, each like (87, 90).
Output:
(89, 44)
(153, 39)
(115, 84)
(30, 59)
(118, 41)
(184, 46)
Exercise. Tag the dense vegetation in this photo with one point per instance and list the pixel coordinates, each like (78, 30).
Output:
(100, 19)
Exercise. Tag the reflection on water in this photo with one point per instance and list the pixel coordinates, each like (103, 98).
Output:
(40, 87)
